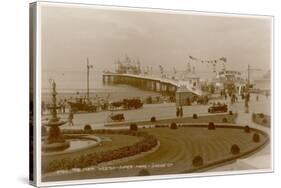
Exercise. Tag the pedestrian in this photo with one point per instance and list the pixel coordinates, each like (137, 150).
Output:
(181, 111)
(43, 107)
(242, 96)
(63, 107)
(257, 98)
(266, 94)
(178, 112)
(70, 118)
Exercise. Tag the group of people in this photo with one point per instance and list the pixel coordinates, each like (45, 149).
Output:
(62, 104)
(179, 111)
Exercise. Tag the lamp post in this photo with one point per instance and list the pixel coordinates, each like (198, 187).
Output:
(247, 98)
(88, 79)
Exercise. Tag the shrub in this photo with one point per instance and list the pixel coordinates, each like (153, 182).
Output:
(144, 172)
(264, 121)
(261, 115)
(173, 125)
(197, 161)
(211, 126)
(256, 137)
(247, 129)
(87, 128)
(133, 127)
(224, 120)
(195, 116)
(230, 112)
(235, 149)
(153, 119)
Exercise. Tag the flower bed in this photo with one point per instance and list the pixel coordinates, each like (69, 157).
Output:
(85, 160)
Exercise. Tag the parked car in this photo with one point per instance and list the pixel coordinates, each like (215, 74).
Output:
(217, 108)
(126, 104)
(81, 105)
(116, 117)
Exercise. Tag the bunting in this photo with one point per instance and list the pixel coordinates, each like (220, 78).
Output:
(214, 61)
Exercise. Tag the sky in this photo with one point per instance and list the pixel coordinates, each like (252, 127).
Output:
(71, 34)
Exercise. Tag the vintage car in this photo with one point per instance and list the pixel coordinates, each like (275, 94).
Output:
(82, 106)
(116, 117)
(132, 103)
(217, 108)
(126, 104)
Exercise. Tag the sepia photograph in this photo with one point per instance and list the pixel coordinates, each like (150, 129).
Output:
(137, 92)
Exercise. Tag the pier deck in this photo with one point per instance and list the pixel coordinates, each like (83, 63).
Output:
(152, 83)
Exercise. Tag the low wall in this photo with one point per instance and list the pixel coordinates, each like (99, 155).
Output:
(203, 118)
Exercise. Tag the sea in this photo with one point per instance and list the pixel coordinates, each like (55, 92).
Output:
(72, 84)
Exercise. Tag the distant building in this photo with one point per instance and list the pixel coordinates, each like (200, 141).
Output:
(188, 89)
(184, 96)
(128, 66)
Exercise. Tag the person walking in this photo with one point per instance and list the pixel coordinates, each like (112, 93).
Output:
(257, 98)
(43, 107)
(70, 118)
(178, 112)
(181, 111)
(64, 105)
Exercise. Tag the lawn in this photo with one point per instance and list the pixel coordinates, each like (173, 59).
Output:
(178, 147)
(183, 144)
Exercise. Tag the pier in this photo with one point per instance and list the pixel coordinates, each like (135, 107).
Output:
(164, 86)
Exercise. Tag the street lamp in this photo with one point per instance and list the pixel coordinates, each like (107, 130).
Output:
(247, 98)
(88, 73)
